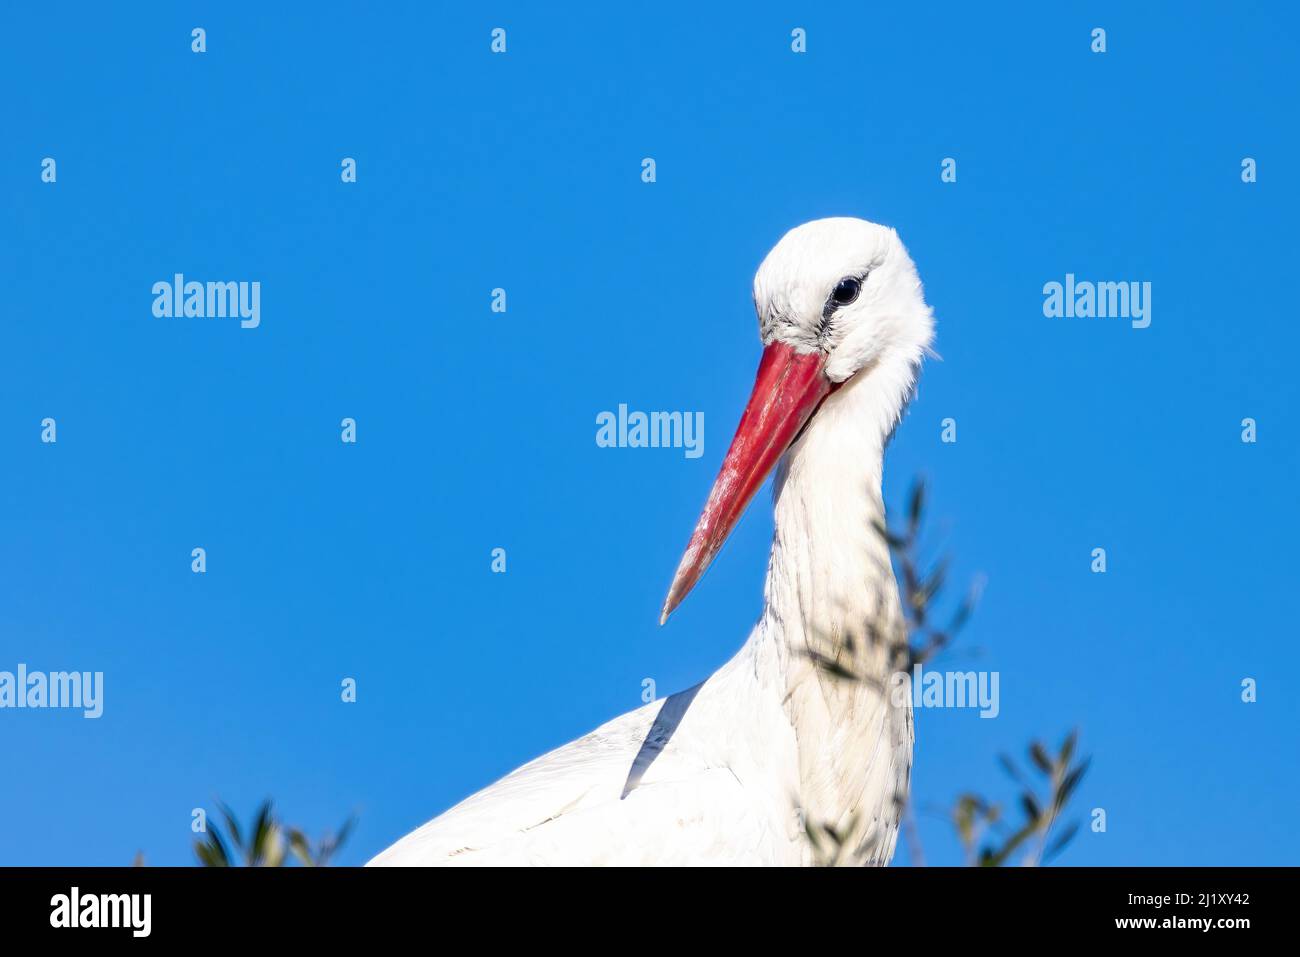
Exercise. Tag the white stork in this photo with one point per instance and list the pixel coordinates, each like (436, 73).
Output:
(733, 770)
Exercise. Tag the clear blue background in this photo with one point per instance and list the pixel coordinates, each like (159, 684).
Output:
(476, 430)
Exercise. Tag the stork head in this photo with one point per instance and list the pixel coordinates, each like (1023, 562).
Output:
(836, 298)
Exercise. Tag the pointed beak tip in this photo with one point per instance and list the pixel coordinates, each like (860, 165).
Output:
(670, 605)
(787, 391)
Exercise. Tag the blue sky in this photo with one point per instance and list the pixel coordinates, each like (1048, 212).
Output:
(476, 429)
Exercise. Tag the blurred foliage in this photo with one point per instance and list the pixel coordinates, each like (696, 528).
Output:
(1035, 834)
(267, 843)
(922, 583)
(987, 836)
(832, 846)
(916, 638)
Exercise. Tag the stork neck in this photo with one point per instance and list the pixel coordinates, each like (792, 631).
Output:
(831, 597)
(829, 580)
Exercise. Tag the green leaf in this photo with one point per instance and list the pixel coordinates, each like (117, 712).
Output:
(831, 666)
(891, 539)
(1031, 807)
(300, 847)
(999, 857)
(961, 616)
(1062, 839)
(211, 850)
(273, 848)
(232, 826)
(1039, 755)
(1009, 766)
(342, 837)
(914, 509)
(933, 583)
(1071, 781)
(260, 843)
(1067, 747)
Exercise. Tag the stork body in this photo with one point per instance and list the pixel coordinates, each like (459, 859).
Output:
(733, 770)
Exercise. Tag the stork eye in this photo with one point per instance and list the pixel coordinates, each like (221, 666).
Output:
(846, 291)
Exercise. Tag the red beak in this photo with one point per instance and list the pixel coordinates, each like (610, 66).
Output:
(789, 388)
